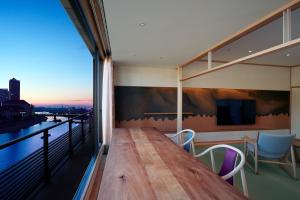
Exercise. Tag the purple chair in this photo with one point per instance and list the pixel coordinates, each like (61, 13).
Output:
(229, 167)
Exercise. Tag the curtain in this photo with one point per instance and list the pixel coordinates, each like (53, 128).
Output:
(107, 101)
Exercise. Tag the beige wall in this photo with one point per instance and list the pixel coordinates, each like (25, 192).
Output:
(235, 77)
(164, 76)
(240, 77)
(295, 98)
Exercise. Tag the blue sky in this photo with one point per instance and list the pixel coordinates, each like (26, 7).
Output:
(40, 46)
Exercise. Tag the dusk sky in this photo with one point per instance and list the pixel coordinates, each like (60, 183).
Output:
(41, 47)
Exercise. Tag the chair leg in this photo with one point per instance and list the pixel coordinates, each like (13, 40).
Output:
(212, 159)
(244, 183)
(193, 148)
(293, 162)
(256, 159)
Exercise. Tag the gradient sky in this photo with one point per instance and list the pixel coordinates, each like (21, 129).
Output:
(40, 46)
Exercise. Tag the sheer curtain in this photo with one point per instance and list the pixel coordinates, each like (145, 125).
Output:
(107, 101)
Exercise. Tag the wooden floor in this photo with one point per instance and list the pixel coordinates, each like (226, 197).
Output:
(145, 164)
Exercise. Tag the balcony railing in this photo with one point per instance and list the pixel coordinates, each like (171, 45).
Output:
(23, 177)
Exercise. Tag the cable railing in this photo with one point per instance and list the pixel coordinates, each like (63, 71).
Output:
(21, 178)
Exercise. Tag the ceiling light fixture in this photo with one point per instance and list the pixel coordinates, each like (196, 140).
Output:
(288, 54)
(142, 24)
(250, 51)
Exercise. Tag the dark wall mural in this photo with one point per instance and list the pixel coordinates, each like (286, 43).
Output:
(156, 107)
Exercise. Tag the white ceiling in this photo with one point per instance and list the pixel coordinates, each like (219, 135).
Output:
(176, 30)
(263, 38)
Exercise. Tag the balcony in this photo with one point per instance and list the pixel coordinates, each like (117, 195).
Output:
(33, 162)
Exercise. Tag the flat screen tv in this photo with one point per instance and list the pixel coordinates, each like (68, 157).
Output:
(235, 112)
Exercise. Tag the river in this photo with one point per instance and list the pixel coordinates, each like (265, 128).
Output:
(11, 155)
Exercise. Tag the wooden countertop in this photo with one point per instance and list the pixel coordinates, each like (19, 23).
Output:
(145, 164)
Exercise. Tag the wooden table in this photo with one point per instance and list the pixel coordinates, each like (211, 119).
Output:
(145, 164)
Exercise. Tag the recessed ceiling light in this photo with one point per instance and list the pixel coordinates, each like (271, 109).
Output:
(250, 51)
(142, 24)
(288, 54)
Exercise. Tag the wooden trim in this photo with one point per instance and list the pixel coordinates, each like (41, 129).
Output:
(297, 86)
(91, 190)
(211, 143)
(246, 63)
(243, 59)
(296, 65)
(168, 113)
(258, 24)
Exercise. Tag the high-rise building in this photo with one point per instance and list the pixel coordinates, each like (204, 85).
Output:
(4, 95)
(14, 89)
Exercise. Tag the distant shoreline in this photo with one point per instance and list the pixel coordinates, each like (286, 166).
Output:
(17, 126)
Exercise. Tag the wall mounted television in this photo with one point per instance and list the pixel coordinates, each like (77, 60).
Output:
(236, 111)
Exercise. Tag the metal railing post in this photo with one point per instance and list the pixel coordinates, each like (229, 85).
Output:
(70, 138)
(46, 155)
(90, 123)
(82, 131)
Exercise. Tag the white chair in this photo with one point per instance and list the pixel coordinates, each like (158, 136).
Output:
(229, 168)
(185, 139)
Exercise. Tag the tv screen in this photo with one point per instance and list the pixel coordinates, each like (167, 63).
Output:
(235, 112)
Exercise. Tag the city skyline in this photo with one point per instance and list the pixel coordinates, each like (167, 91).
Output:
(41, 47)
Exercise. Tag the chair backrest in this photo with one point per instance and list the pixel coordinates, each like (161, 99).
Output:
(229, 162)
(229, 167)
(185, 139)
(188, 139)
(274, 146)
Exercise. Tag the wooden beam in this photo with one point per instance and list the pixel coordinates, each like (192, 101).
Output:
(209, 60)
(246, 63)
(263, 21)
(243, 59)
(179, 100)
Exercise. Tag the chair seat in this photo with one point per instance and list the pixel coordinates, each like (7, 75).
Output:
(250, 148)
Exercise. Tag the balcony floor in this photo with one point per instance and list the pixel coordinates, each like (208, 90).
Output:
(64, 183)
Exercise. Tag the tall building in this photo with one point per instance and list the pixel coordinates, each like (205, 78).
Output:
(4, 95)
(14, 89)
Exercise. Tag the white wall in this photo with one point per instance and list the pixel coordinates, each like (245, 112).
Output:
(164, 76)
(239, 77)
(295, 101)
(295, 76)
